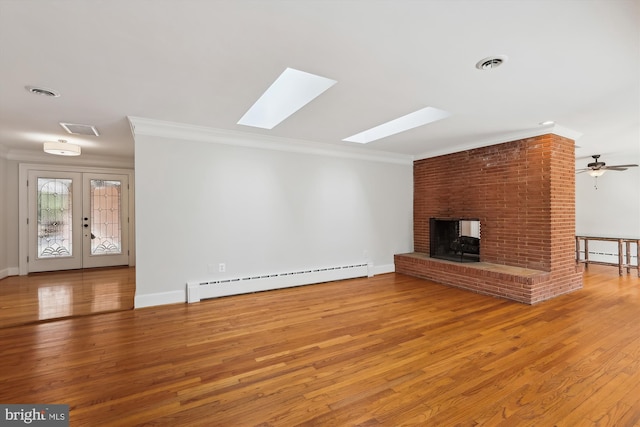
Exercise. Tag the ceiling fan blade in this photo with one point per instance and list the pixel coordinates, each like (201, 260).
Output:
(581, 170)
(621, 166)
(614, 168)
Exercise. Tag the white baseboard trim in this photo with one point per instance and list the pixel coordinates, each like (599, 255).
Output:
(383, 269)
(11, 271)
(160, 298)
(268, 283)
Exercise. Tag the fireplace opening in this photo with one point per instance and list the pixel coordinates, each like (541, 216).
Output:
(455, 239)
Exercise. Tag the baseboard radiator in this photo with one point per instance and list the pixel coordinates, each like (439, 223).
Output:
(197, 291)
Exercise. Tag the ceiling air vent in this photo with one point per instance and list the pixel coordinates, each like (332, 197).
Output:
(42, 91)
(75, 129)
(491, 62)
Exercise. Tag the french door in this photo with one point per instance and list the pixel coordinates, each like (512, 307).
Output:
(77, 220)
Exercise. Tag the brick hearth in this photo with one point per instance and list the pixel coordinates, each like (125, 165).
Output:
(523, 192)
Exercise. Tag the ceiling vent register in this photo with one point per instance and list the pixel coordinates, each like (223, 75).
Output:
(76, 129)
(491, 62)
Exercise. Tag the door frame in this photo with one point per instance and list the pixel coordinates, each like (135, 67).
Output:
(23, 206)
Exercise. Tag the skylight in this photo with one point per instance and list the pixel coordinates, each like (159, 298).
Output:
(412, 120)
(291, 91)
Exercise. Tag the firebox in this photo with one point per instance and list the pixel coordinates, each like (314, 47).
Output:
(455, 239)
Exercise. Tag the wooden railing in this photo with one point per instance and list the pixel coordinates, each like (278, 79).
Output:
(624, 252)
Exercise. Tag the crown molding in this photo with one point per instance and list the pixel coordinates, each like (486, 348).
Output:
(171, 130)
(565, 132)
(507, 137)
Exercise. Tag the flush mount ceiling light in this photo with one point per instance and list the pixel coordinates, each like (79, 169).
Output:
(42, 91)
(291, 91)
(412, 120)
(62, 148)
(547, 123)
(491, 62)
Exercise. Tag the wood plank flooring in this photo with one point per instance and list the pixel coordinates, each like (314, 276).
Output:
(54, 295)
(389, 350)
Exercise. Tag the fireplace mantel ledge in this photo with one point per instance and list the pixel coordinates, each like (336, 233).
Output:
(499, 269)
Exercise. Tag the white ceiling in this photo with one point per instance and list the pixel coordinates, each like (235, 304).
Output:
(576, 62)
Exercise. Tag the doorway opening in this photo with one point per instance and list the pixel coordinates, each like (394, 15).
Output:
(75, 219)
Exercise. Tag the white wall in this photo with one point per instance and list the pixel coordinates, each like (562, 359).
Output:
(260, 211)
(611, 210)
(3, 218)
(11, 218)
(8, 217)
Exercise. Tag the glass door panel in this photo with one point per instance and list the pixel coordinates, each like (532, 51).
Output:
(55, 206)
(105, 220)
(55, 217)
(105, 206)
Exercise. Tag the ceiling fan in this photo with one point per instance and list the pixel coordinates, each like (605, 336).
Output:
(598, 168)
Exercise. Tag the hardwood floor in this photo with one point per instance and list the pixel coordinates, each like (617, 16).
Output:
(54, 295)
(390, 350)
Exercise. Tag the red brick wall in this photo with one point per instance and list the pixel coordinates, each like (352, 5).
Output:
(522, 191)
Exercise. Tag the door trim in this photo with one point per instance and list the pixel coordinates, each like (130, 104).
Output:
(23, 206)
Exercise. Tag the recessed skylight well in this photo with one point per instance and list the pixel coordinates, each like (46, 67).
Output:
(410, 121)
(291, 91)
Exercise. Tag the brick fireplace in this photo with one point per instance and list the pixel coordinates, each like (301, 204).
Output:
(523, 193)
